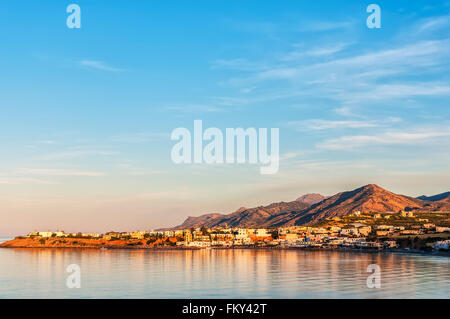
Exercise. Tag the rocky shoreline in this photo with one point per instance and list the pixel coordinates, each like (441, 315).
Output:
(77, 243)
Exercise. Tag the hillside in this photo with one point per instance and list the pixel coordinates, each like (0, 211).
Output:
(243, 217)
(367, 198)
(311, 199)
(197, 221)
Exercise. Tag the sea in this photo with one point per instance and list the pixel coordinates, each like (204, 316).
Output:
(220, 273)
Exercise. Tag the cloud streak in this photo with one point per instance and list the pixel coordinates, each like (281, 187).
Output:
(59, 172)
(74, 154)
(381, 75)
(318, 124)
(22, 180)
(412, 137)
(99, 65)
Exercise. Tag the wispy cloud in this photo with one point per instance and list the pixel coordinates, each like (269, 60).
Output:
(395, 91)
(383, 74)
(318, 124)
(302, 52)
(345, 111)
(140, 137)
(433, 24)
(24, 180)
(194, 108)
(411, 137)
(74, 154)
(47, 142)
(321, 51)
(145, 172)
(99, 65)
(317, 26)
(237, 64)
(58, 172)
(385, 62)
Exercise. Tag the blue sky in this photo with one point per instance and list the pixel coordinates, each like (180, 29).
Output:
(86, 114)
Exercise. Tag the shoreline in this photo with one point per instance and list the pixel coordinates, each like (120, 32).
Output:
(169, 248)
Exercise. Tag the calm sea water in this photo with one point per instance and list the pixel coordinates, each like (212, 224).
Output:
(41, 273)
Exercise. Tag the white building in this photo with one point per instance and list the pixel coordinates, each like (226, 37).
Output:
(45, 234)
(262, 232)
(169, 233)
(241, 233)
(200, 244)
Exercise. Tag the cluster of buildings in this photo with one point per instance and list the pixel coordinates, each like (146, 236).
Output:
(353, 230)
(353, 236)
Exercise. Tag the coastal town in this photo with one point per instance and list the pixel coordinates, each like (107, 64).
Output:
(426, 231)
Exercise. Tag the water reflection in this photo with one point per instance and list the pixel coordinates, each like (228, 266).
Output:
(41, 273)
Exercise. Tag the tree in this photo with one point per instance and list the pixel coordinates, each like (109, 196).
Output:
(275, 234)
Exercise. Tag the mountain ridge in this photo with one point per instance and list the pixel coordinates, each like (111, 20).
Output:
(436, 198)
(370, 197)
(312, 198)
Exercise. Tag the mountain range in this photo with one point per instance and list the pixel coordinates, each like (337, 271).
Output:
(311, 198)
(440, 197)
(313, 208)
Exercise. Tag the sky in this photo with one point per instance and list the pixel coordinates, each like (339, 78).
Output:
(86, 114)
